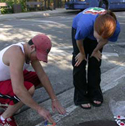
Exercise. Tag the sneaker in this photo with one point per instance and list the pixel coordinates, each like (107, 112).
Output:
(8, 122)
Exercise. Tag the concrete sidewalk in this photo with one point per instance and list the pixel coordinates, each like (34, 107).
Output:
(75, 116)
(40, 14)
(113, 89)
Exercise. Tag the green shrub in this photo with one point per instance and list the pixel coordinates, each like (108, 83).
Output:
(3, 11)
(23, 5)
(11, 3)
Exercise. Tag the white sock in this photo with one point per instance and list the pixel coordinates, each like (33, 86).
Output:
(2, 118)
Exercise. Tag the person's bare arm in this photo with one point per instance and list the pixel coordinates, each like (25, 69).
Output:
(47, 85)
(101, 44)
(80, 46)
(43, 78)
(16, 60)
(96, 53)
(81, 55)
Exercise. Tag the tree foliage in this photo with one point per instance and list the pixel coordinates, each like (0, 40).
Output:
(12, 2)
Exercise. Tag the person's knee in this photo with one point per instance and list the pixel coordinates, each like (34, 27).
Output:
(81, 65)
(32, 90)
(39, 86)
(94, 63)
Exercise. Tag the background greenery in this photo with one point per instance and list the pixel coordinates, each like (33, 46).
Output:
(46, 3)
(11, 3)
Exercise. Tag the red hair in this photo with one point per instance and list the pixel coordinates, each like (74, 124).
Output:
(105, 24)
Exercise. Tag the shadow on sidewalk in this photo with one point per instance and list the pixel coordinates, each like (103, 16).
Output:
(98, 123)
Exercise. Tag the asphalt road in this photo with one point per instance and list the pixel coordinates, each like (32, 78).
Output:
(59, 68)
(58, 28)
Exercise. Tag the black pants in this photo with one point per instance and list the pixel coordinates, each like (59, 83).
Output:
(86, 83)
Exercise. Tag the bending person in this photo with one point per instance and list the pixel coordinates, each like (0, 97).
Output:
(91, 30)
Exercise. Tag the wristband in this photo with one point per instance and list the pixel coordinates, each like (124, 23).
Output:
(53, 100)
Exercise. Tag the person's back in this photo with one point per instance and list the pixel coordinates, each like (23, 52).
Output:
(91, 30)
(4, 68)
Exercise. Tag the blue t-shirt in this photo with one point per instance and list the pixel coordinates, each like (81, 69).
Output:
(84, 24)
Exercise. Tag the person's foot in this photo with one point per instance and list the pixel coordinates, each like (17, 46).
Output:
(97, 103)
(85, 106)
(8, 122)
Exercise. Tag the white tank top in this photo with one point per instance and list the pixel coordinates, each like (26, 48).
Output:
(4, 69)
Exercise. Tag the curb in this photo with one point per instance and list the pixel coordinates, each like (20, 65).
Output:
(33, 14)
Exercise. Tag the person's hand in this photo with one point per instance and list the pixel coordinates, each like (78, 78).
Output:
(46, 115)
(79, 58)
(57, 106)
(97, 55)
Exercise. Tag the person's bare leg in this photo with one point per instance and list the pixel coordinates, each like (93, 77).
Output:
(12, 109)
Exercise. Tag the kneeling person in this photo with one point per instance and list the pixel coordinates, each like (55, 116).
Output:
(17, 84)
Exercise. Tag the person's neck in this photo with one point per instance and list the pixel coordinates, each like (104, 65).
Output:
(27, 59)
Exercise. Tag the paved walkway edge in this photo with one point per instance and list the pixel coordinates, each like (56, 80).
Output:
(110, 79)
(39, 14)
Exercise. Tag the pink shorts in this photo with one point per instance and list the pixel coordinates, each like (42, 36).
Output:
(7, 97)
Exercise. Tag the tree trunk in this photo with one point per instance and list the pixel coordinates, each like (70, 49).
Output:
(54, 1)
